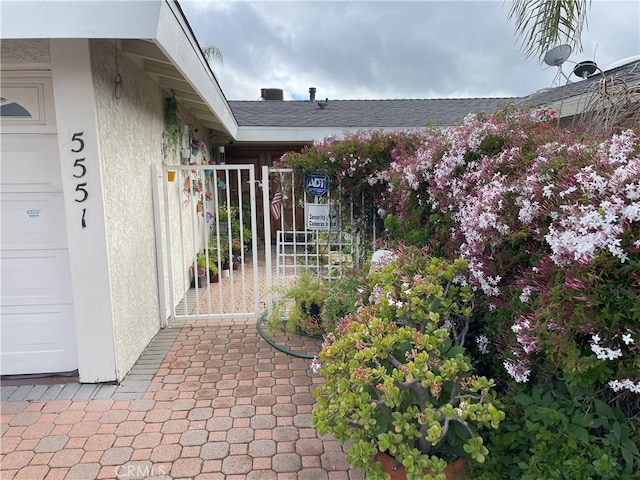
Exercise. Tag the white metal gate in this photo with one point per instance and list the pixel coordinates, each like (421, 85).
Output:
(326, 247)
(206, 241)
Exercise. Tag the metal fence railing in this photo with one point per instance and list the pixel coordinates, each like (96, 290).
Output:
(207, 241)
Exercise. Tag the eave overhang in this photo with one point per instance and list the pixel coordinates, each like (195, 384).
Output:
(154, 33)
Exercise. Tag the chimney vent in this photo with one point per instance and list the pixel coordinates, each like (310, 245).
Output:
(312, 94)
(323, 105)
(271, 94)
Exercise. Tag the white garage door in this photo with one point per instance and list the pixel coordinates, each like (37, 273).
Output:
(37, 333)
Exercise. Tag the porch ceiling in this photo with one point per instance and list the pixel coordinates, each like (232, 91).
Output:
(157, 66)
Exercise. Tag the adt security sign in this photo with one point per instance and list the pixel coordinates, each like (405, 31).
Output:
(316, 184)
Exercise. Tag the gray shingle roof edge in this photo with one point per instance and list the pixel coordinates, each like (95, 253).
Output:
(406, 113)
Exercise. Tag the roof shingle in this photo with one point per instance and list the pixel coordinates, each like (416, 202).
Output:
(404, 113)
(362, 113)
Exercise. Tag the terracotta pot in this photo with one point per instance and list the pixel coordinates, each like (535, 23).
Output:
(397, 472)
(200, 277)
(199, 271)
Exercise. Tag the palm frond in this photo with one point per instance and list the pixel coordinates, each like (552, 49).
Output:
(213, 54)
(543, 24)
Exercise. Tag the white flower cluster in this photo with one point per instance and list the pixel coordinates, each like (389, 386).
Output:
(603, 353)
(393, 302)
(376, 295)
(585, 229)
(448, 325)
(315, 365)
(525, 296)
(525, 334)
(518, 370)
(412, 180)
(460, 280)
(479, 219)
(463, 408)
(354, 163)
(483, 343)
(378, 177)
(625, 384)
(590, 181)
(488, 284)
(580, 235)
(621, 147)
(528, 210)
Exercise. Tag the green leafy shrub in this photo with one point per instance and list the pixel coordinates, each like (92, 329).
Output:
(341, 299)
(562, 433)
(396, 374)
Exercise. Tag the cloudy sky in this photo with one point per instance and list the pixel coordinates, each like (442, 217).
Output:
(392, 49)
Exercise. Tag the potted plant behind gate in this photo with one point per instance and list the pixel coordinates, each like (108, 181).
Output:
(212, 266)
(398, 384)
(198, 276)
(219, 255)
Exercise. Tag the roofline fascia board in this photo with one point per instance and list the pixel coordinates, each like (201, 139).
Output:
(568, 107)
(577, 104)
(175, 39)
(306, 134)
(73, 19)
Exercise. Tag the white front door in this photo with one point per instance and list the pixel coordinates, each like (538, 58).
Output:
(37, 332)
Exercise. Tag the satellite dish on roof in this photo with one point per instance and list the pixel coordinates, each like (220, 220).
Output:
(557, 55)
(585, 69)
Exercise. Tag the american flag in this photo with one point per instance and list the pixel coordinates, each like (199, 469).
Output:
(276, 202)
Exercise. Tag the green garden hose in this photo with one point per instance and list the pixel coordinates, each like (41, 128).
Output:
(275, 345)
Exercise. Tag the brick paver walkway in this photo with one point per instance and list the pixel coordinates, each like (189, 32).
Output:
(222, 405)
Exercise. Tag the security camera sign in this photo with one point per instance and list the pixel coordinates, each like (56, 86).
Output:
(320, 216)
(316, 184)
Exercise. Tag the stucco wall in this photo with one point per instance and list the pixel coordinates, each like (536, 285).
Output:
(130, 132)
(25, 54)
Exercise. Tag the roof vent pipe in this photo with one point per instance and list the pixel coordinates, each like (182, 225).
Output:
(312, 94)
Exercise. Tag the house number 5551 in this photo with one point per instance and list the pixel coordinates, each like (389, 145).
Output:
(80, 170)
